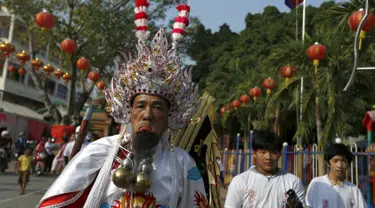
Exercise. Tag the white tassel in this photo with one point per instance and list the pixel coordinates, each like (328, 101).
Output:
(103, 179)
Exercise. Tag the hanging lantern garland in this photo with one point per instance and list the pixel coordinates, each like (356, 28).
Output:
(244, 99)
(93, 76)
(67, 77)
(23, 56)
(288, 72)
(356, 18)
(45, 20)
(69, 46)
(316, 52)
(101, 85)
(58, 73)
(6, 48)
(269, 84)
(236, 104)
(255, 92)
(82, 64)
(21, 71)
(223, 110)
(48, 69)
(12, 69)
(37, 64)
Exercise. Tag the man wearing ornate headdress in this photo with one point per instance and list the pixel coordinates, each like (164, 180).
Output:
(153, 96)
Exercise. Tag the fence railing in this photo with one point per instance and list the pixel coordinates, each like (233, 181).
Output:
(307, 162)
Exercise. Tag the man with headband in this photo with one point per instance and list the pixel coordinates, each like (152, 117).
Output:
(152, 95)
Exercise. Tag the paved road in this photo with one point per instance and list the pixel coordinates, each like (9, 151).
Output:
(9, 190)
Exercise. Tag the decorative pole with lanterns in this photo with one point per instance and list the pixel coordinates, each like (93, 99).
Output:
(316, 53)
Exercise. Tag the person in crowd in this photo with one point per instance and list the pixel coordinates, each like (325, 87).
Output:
(332, 190)
(23, 167)
(20, 144)
(264, 184)
(59, 161)
(49, 146)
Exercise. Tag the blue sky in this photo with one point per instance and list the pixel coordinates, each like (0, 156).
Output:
(214, 13)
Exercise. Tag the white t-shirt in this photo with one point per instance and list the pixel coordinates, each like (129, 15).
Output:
(321, 194)
(252, 189)
(69, 147)
(49, 146)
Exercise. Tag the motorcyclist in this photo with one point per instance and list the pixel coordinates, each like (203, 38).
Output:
(5, 148)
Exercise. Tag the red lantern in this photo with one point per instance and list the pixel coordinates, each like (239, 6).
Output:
(21, 71)
(68, 46)
(269, 84)
(244, 99)
(93, 76)
(48, 69)
(67, 77)
(288, 72)
(23, 56)
(228, 107)
(236, 104)
(222, 110)
(356, 18)
(316, 52)
(58, 73)
(101, 85)
(6, 48)
(83, 64)
(11, 69)
(45, 20)
(37, 63)
(255, 92)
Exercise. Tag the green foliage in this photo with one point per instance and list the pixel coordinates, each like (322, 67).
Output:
(229, 64)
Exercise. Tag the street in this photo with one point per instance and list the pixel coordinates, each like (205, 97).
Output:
(9, 190)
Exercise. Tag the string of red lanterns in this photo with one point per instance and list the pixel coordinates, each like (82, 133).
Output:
(6, 48)
(316, 52)
(45, 20)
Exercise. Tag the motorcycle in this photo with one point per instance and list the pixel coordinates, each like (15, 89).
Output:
(3, 160)
(40, 159)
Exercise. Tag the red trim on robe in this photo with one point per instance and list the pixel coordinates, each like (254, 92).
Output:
(80, 202)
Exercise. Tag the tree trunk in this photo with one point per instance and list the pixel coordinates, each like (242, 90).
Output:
(41, 87)
(277, 120)
(72, 91)
(318, 126)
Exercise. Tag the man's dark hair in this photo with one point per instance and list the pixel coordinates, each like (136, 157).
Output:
(267, 140)
(337, 149)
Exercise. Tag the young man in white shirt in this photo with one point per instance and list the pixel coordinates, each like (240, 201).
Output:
(332, 190)
(264, 185)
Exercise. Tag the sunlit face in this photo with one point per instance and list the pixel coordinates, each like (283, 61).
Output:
(266, 161)
(150, 110)
(338, 166)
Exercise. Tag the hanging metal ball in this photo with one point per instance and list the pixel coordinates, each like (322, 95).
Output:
(123, 177)
(127, 163)
(142, 183)
(146, 168)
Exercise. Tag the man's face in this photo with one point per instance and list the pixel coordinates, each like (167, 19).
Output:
(338, 166)
(149, 112)
(266, 160)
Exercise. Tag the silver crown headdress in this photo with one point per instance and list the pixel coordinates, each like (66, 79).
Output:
(156, 70)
